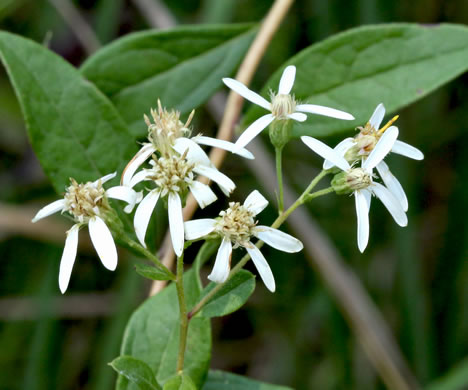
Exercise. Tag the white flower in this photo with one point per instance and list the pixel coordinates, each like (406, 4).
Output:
(173, 176)
(163, 134)
(363, 144)
(282, 106)
(237, 226)
(359, 180)
(88, 204)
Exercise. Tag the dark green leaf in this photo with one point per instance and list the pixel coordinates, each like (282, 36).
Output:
(219, 380)
(152, 273)
(136, 371)
(180, 382)
(74, 129)
(183, 67)
(455, 379)
(152, 335)
(231, 297)
(396, 64)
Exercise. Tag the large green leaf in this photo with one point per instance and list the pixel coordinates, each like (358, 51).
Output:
(219, 380)
(136, 371)
(231, 296)
(152, 335)
(396, 64)
(180, 382)
(183, 67)
(74, 129)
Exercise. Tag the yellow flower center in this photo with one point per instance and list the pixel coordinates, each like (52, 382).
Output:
(85, 201)
(358, 179)
(236, 223)
(282, 106)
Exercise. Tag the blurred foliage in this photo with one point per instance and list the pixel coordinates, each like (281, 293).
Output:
(417, 276)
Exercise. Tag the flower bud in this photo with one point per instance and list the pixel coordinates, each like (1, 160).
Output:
(280, 132)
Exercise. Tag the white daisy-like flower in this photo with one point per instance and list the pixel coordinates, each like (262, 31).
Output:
(282, 106)
(162, 136)
(237, 226)
(360, 182)
(173, 176)
(88, 205)
(363, 143)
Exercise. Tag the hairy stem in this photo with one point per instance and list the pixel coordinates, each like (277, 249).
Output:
(279, 175)
(183, 313)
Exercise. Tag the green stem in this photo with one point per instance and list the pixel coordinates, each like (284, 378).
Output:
(279, 175)
(183, 313)
(316, 194)
(276, 224)
(146, 253)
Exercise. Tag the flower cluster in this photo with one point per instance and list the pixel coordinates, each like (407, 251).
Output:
(171, 161)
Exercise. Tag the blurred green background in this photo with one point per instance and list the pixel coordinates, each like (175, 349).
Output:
(417, 276)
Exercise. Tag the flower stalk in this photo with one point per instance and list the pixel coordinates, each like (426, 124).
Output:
(183, 313)
(279, 175)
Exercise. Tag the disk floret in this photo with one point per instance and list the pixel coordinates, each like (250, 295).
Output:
(236, 224)
(85, 200)
(171, 174)
(282, 105)
(167, 127)
(358, 179)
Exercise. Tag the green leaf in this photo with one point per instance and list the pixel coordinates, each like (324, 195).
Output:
(455, 379)
(396, 64)
(152, 273)
(74, 129)
(205, 252)
(183, 67)
(136, 371)
(219, 380)
(180, 382)
(152, 335)
(231, 297)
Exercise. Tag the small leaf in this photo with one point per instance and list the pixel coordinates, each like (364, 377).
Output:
(183, 67)
(136, 371)
(396, 64)
(219, 380)
(152, 273)
(180, 382)
(152, 335)
(231, 297)
(74, 129)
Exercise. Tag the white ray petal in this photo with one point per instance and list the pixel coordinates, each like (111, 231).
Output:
(242, 90)
(368, 195)
(176, 222)
(195, 154)
(224, 182)
(287, 80)
(377, 117)
(143, 215)
(391, 203)
(278, 239)
(222, 144)
(381, 149)
(105, 178)
(253, 130)
(255, 202)
(138, 178)
(326, 152)
(407, 150)
(68, 258)
(393, 185)
(126, 194)
(103, 242)
(140, 157)
(341, 149)
(222, 265)
(325, 111)
(362, 212)
(262, 267)
(298, 116)
(50, 209)
(198, 228)
(202, 193)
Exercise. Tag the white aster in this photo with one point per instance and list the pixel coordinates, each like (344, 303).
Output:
(282, 106)
(88, 205)
(237, 226)
(173, 176)
(363, 143)
(163, 135)
(360, 182)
